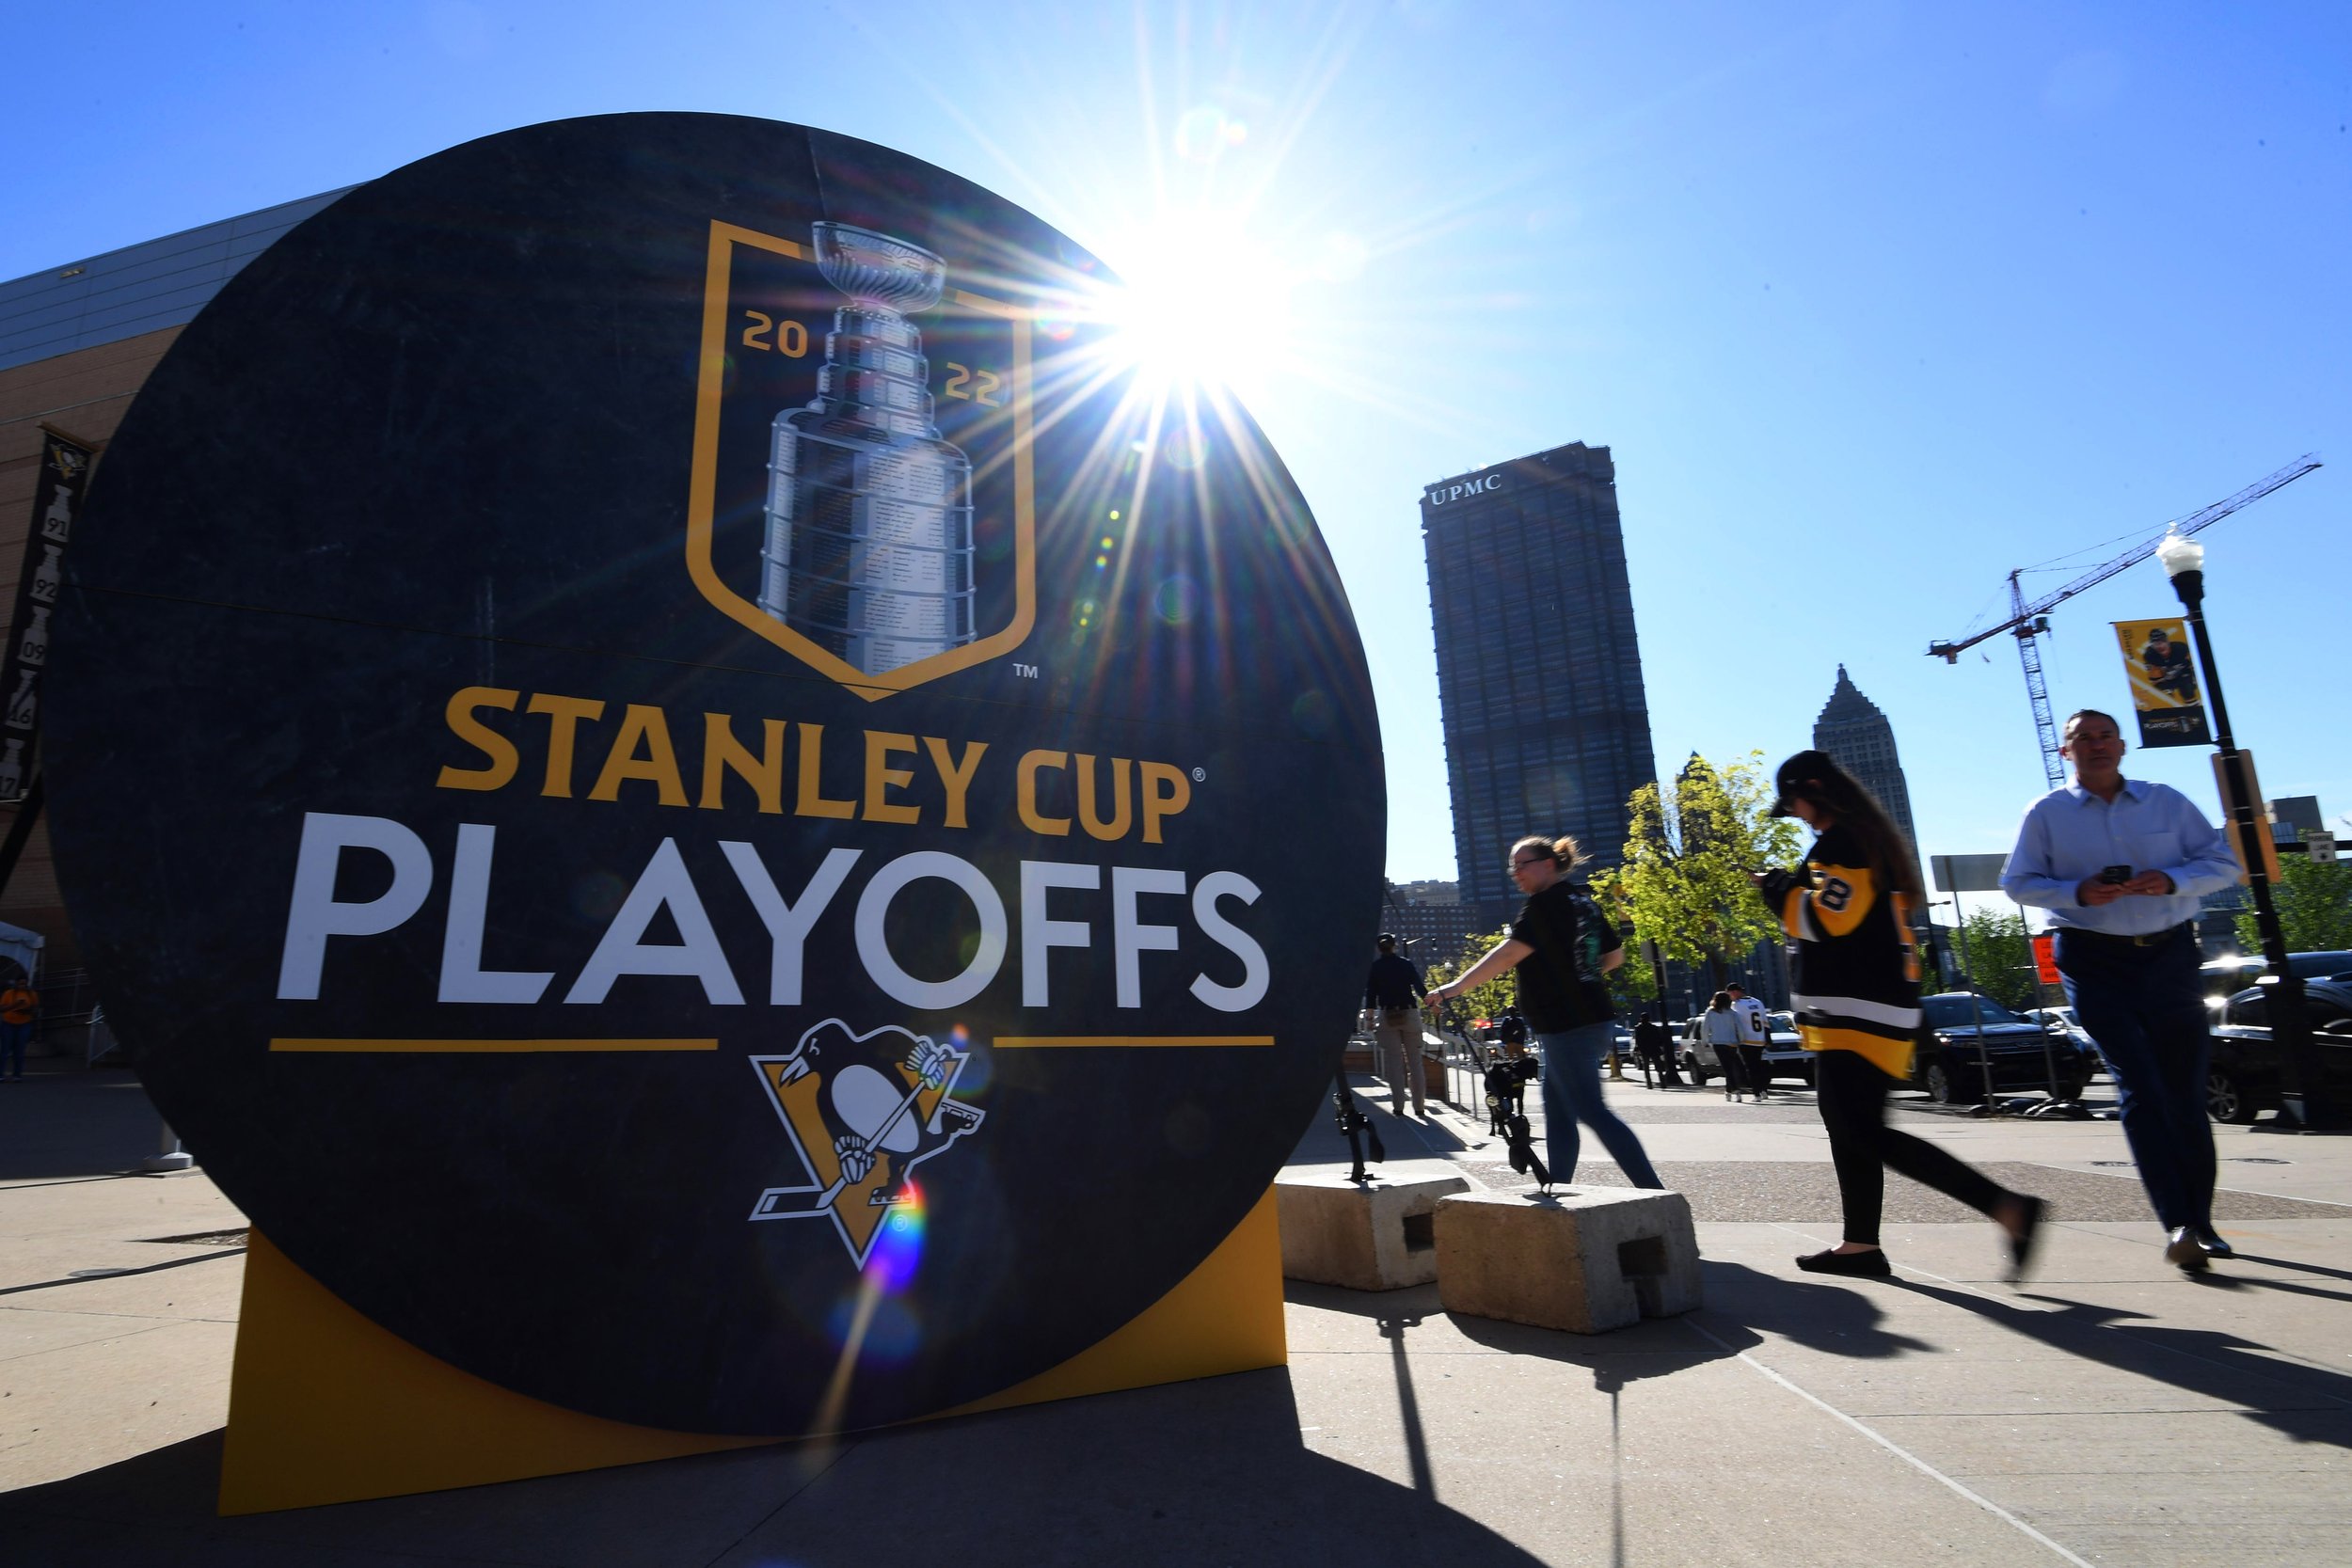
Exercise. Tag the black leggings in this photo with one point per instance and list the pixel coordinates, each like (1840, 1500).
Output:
(1853, 1097)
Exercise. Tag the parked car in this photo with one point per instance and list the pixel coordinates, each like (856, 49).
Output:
(1784, 1055)
(2018, 1051)
(1693, 1054)
(2223, 976)
(2244, 1077)
(2062, 1020)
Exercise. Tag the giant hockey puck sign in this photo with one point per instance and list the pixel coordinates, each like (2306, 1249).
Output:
(692, 794)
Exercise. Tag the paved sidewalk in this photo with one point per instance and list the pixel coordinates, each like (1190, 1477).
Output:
(2111, 1412)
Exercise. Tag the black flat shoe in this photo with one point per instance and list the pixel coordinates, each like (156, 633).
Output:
(1861, 1266)
(2209, 1242)
(2021, 1244)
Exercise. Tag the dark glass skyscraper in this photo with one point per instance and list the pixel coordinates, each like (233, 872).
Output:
(1540, 675)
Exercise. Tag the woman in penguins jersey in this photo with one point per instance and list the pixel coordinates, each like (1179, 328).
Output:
(1857, 1004)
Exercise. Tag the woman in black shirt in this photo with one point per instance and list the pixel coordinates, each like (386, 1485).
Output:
(1561, 947)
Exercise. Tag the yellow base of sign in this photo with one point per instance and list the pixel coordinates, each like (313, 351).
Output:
(326, 1407)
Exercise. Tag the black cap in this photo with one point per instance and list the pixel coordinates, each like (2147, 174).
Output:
(1795, 771)
(1388, 939)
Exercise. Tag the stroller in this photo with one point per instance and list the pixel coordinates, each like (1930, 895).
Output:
(1507, 1077)
(1507, 1071)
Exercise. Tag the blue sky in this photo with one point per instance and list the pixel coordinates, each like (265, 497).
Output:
(1874, 302)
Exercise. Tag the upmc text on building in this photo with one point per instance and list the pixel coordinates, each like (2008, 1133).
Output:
(1478, 485)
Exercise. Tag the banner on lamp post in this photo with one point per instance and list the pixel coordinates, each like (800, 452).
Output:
(2162, 669)
(2257, 847)
(57, 502)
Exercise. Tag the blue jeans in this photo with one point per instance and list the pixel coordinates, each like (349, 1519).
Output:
(2144, 1009)
(1572, 1094)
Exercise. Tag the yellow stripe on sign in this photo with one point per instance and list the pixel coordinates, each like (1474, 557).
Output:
(444, 1047)
(1122, 1043)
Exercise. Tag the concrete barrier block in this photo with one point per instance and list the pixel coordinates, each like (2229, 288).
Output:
(1379, 1236)
(1585, 1258)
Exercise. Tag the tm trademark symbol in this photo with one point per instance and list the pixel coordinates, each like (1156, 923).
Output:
(1026, 671)
(1199, 775)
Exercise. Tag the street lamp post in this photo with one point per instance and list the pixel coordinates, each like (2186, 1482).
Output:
(2184, 562)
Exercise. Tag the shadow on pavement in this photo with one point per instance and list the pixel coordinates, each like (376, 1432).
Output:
(2309, 1403)
(1213, 1472)
(1416, 1303)
(2286, 1263)
(1323, 1144)
(71, 1122)
(1208, 1472)
(1652, 1348)
(1742, 1307)
(2253, 1282)
(1744, 1304)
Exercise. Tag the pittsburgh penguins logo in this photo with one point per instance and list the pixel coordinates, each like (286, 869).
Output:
(862, 1111)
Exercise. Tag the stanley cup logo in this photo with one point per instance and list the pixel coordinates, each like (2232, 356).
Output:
(868, 548)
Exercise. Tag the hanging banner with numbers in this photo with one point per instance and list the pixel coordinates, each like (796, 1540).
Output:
(697, 792)
(57, 503)
(2162, 669)
(2046, 969)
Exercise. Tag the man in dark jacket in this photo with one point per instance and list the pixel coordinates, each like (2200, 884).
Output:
(1392, 998)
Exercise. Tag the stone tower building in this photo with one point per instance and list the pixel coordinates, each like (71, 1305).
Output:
(1853, 731)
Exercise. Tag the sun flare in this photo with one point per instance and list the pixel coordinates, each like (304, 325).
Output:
(1201, 304)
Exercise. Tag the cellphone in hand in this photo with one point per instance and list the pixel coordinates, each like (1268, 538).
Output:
(2115, 874)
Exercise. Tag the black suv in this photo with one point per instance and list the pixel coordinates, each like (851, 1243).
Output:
(2223, 976)
(2242, 1079)
(1947, 1065)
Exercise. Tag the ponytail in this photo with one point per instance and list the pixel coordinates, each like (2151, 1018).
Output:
(1564, 852)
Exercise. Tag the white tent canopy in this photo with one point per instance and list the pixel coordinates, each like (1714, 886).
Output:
(22, 946)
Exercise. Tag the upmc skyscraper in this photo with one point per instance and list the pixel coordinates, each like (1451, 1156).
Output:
(1539, 675)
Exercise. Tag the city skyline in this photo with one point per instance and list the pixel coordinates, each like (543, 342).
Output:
(1871, 305)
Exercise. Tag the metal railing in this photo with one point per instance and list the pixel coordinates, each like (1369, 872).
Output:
(1464, 1072)
(100, 1043)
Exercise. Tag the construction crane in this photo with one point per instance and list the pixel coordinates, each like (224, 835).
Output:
(2028, 622)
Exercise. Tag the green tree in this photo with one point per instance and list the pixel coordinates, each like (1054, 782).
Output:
(2314, 905)
(1490, 999)
(2000, 957)
(1631, 982)
(1688, 853)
